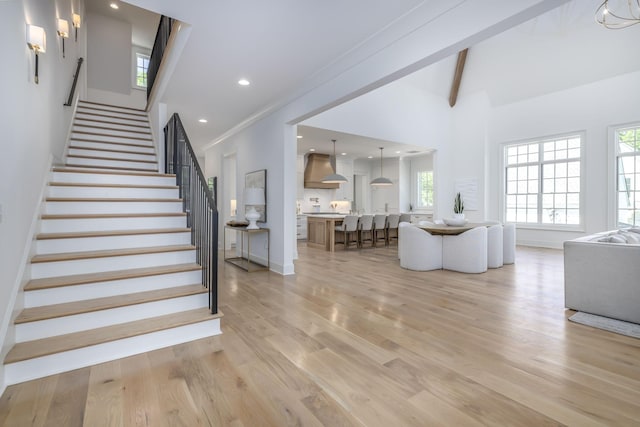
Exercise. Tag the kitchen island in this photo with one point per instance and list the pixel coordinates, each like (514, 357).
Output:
(321, 230)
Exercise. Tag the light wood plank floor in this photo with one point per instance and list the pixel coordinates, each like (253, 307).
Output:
(354, 340)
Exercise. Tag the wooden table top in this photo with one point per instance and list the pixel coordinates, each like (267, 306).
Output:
(451, 230)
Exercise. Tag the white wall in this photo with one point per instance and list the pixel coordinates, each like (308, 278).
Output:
(110, 65)
(35, 125)
(591, 108)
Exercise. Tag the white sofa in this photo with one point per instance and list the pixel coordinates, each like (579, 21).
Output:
(602, 274)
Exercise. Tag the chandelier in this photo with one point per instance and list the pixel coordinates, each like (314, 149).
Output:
(616, 15)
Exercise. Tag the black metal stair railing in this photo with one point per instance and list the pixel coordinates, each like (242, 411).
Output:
(159, 46)
(198, 201)
(74, 83)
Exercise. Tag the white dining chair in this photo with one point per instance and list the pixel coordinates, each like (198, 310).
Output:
(509, 243)
(495, 245)
(466, 252)
(419, 250)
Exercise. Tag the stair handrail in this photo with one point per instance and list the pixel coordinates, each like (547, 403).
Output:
(75, 82)
(157, 52)
(198, 202)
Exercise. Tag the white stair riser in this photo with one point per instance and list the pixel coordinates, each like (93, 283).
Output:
(112, 132)
(106, 164)
(107, 224)
(145, 141)
(94, 265)
(113, 124)
(62, 362)
(98, 319)
(106, 146)
(113, 192)
(98, 178)
(111, 110)
(109, 288)
(87, 104)
(106, 116)
(52, 246)
(112, 155)
(68, 208)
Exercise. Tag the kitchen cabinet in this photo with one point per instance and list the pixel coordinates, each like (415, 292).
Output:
(301, 227)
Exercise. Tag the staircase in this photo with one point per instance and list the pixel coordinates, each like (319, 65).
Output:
(113, 272)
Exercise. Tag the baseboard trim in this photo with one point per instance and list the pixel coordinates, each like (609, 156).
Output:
(7, 328)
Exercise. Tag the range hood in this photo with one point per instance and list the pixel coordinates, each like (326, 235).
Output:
(318, 166)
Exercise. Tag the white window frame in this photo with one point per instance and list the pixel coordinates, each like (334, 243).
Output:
(135, 51)
(613, 170)
(416, 194)
(503, 174)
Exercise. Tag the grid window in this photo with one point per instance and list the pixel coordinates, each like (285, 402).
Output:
(142, 64)
(425, 189)
(628, 179)
(542, 181)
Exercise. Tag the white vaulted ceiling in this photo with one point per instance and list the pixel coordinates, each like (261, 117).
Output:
(276, 44)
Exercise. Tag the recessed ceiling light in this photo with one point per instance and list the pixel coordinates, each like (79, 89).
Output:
(344, 154)
(398, 152)
(114, 5)
(203, 120)
(312, 149)
(244, 82)
(299, 136)
(370, 157)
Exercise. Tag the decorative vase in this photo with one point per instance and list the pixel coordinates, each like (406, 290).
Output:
(458, 216)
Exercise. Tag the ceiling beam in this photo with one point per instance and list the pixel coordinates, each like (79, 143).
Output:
(457, 77)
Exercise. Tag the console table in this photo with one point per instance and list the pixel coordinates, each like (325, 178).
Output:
(244, 260)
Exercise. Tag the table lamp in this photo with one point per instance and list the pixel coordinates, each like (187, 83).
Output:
(253, 197)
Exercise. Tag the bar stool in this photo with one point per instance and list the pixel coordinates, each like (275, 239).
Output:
(379, 226)
(365, 225)
(348, 227)
(392, 227)
(405, 217)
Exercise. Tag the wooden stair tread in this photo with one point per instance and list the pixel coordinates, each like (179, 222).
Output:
(111, 105)
(71, 256)
(78, 156)
(110, 200)
(111, 129)
(107, 122)
(91, 113)
(113, 168)
(75, 169)
(119, 215)
(75, 235)
(46, 346)
(91, 184)
(35, 314)
(83, 279)
(126, 144)
(81, 132)
(106, 150)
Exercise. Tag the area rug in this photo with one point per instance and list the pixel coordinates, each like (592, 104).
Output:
(618, 326)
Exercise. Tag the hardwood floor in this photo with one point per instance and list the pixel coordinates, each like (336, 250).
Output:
(354, 340)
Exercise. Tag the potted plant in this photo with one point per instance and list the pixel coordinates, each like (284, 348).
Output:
(458, 207)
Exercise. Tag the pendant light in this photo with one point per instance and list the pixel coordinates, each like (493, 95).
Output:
(381, 180)
(334, 178)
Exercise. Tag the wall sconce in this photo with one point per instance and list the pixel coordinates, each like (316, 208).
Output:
(37, 41)
(63, 31)
(76, 23)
